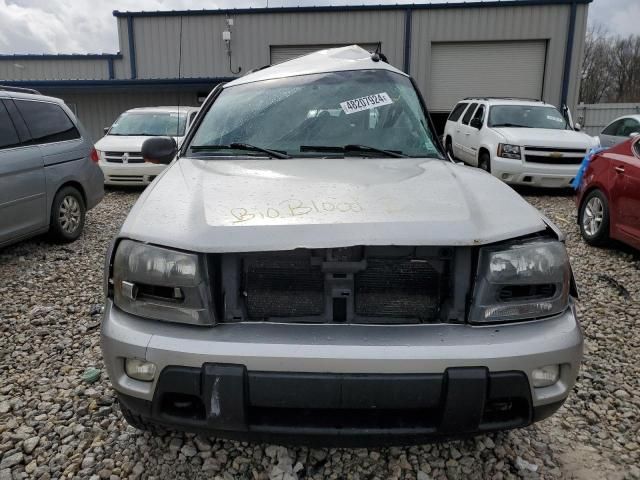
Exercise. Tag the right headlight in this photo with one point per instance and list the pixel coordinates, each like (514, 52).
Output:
(521, 281)
(161, 283)
(506, 150)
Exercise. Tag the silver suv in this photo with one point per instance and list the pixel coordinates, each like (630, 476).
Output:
(49, 174)
(311, 269)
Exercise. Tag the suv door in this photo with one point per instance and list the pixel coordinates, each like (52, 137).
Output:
(473, 137)
(60, 143)
(23, 203)
(466, 153)
(452, 129)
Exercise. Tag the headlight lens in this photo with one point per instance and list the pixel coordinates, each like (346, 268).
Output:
(521, 281)
(506, 150)
(162, 284)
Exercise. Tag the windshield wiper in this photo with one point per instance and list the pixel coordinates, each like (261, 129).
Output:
(352, 148)
(510, 125)
(240, 146)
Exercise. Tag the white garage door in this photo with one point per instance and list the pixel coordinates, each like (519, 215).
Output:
(501, 69)
(282, 53)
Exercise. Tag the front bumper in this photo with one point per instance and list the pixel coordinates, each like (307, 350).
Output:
(130, 174)
(341, 384)
(519, 172)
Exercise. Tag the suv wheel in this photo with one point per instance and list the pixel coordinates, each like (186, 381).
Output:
(449, 148)
(484, 162)
(593, 217)
(67, 215)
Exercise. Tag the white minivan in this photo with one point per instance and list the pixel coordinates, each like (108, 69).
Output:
(119, 150)
(524, 142)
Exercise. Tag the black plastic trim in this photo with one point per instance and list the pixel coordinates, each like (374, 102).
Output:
(338, 409)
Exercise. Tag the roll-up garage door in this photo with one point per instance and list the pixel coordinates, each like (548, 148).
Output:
(501, 69)
(282, 53)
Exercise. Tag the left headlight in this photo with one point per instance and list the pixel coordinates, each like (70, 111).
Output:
(521, 281)
(162, 284)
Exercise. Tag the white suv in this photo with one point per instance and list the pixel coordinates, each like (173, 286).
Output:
(524, 142)
(119, 150)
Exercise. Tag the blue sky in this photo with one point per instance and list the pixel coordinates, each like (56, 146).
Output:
(81, 26)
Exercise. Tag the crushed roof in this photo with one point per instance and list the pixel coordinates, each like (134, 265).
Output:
(339, 59)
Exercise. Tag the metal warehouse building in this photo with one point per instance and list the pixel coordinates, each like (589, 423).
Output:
(524, 48)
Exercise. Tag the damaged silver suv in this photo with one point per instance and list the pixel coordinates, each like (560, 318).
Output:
(311, 269)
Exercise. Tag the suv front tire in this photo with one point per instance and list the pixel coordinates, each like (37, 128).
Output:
(484, 162)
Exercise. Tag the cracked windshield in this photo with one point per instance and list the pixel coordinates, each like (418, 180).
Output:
(359, 112)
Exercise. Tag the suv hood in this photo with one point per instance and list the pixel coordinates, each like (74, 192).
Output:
(544, 137)
(262, 205)
(121, 143)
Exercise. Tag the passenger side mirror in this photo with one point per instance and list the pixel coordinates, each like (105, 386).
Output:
(634, 134)
(159, 150)
(105, 130)
(476, 123)
(577, 127)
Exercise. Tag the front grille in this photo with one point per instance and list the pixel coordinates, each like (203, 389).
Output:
(354, 285)
(283, 286)
(573, 151)
(554, 155)
(553, 160)
(397, 288)
(118, 157)
(126, 178)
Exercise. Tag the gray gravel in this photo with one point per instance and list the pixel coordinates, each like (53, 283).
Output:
(54, 425)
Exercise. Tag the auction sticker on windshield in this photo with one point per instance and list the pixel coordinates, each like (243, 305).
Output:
(366, 103)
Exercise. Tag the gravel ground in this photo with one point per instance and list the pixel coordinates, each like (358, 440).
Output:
(53, 424)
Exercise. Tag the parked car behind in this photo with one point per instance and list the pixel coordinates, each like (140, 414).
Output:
(522, 142)
(49, 175)
(620, 130)
(608, 198)
(119, 150)
(311, 268)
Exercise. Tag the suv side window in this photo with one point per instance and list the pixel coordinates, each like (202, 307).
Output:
(47, 122)
(8, 135)
(468, 113)
(479, 115)
(455, 114)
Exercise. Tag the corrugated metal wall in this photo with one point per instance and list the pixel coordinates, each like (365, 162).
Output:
(53, 69)
(594, 117)
(122, 67)
(205, 55)
(97, 110)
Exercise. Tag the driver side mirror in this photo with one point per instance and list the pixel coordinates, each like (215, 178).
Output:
(105, 130)
(476, 123)
(634, 134)
(577, 127)
(159, 150)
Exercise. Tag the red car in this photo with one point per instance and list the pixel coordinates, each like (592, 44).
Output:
(609, 196)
